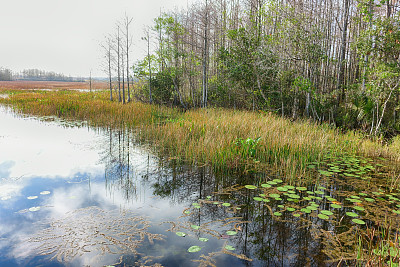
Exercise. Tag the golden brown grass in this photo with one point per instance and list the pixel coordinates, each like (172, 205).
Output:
(209, 136)
(51, 85)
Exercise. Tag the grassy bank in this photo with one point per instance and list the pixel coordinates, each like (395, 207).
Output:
(250, 141)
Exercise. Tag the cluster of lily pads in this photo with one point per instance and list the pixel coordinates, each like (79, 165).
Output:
(37, 208)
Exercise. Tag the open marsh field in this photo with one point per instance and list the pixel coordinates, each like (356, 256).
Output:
(51, 85)
(86, 181)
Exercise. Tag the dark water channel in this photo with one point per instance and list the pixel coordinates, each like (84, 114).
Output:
(71, 195)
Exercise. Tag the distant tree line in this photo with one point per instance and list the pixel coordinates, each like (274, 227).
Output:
(36, 75)
(330, 61)
(6, 74)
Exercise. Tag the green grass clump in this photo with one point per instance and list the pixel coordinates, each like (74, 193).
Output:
(226, 139)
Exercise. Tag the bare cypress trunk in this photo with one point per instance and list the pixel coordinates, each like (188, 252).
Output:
(118, 67)
(342, 60)
(109, 71)
(204, 102)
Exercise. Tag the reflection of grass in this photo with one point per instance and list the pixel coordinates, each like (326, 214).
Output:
(209, 136)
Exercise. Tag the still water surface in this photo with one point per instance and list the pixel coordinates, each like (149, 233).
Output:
(71, 195)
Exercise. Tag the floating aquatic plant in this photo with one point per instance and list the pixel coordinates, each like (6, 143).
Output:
(193, 249)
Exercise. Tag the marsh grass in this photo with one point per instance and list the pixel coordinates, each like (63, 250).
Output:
(209, 136)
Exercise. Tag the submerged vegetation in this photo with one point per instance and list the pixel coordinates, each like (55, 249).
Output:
(226, 139)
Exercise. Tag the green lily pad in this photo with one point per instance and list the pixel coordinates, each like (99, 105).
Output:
(358, 208)
(45, 192)
(278, 198)
(296, 215)
(319, 192)
(358, 221)
(278, 181)
(305, 210)
(266, 186)
(396, 211)
(226, 204)
(281, 206)
(195, 227)
(290, 187)
(354, 200)
(294, 196)
(187, 212)
(266, 200)
(34, 209)
(203, 239)
(363, 194)
(194, 249)
(231, 232)
(32, 197)
(229, 247)
(277, 213)
(258, 198)
(274, 195)
(282, 189)
(336, 206)
(182, 234)
(323, 216)
(251, 187)
(300, 188)
(312, 208)
(331, 199)
(326, 212)
(351, 214)
(356, 197)
(369, 199)
(272, 183)
(216, 203)
(310, 192)
(290, 209)
(307, 198)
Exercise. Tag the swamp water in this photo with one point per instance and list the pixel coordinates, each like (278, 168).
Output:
(71, 195)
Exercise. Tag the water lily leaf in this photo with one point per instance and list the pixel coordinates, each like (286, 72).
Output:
(326, 212)
(266, 200)
(310, 192)
(300, 188)
(351, 214)
(278, 181)
(358, 221)
(282, 189)
(266, 186)
(291, 192)
(314, 204)
(32, 197)
(354, 200)
(369, 199)
(396, 211)
(358, 208)
(262, 195)
(208, 197)
(231, 232)
(363, 194)
(216, 203)
(307, 198)
(296, 214)
(323, 216)
(226, 204)
(356, 197)
(274, 195)
(258, 198)
(195, 227)
(290, 187)
(187, 212)
(305, 210)
(203, 239)
(325, 173)
(277, 213)
(331, 199)
(34, 209)
(290, 209)
(272, 183)
(229, 247)
(278, 198)
(311, 166)
(336, 206)
(294, 196)
(45, 192)
(182, 234)
(312, 208)
(251, 187)
(194, 249)
(319, 192)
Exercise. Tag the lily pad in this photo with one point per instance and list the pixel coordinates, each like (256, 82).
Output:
(282, 189)
(277, 213)
(272, 183)
(296, 214)
(229, 247)
(226, 204)
(45, 192)
(32, 197)
(231, 232)
(290, 187)
(369, 199)
(326, 212)
(358, 221)
(274, 195)
(277, 181)
(182, 234)
(396, 211)
(258, 198)
(194, 249)
(290, 209)
(266, 186)
(34, 209)
(301, 188)
(319, 192)
(266, 200)
(323, 216)
(351, 214)
(252, 187)
(336, 206)
(195, 227)
(203, 239)
(358, 208)
(294, 196)
(312, 208)
(305, 210)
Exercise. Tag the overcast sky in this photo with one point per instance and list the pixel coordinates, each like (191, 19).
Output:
(65, 35)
